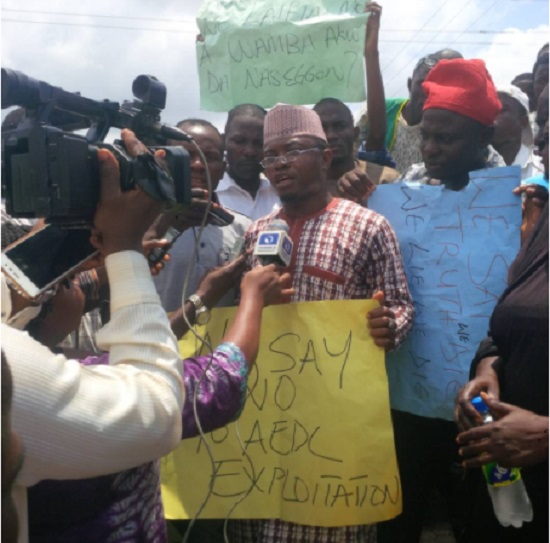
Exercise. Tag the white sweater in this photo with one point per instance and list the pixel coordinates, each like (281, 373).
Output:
(78, 422)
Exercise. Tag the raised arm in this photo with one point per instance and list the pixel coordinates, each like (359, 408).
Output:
(376, 104)
(217, 383)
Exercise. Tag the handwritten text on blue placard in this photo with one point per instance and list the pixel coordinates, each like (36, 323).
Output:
(457, 247)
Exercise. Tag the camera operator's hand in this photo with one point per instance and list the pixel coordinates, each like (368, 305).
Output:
(191, 215)
(121, 218)
(181, 220)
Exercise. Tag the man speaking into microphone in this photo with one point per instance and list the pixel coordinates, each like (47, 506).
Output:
(338, 251)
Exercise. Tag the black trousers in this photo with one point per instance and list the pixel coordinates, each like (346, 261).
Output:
(482, 525)
(427, 455)
(203, 531)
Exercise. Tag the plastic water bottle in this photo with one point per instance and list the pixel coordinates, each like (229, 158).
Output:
(511, 503)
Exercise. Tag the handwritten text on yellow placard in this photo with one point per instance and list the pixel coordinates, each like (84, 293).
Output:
(316, 442)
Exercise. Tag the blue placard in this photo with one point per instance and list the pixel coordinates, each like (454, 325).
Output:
(457, 247)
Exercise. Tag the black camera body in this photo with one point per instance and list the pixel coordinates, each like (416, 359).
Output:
(49, 171)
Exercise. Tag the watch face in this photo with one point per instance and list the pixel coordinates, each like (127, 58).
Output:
(202, 316)
(196, 301)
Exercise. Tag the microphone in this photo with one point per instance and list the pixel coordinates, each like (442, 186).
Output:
(157, 254)
(274, 246)
(237, 248)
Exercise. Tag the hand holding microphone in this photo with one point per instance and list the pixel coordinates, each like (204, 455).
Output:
(268, 284)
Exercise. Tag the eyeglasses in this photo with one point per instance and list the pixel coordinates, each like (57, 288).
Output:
(428, 61)
(287, 158)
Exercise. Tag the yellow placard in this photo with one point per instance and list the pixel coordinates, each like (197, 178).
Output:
(316, 440)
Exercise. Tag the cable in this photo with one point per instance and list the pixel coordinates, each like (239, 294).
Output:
(191, 21)
(250, 488)
(416, 34)
(481, 31)
(112, 16)
(201, 339)
(4, 20)
(179, 32)
(482, 15)
(113, 27)
(458, 43)
(455, 41)
(203, 375)
(399, 71)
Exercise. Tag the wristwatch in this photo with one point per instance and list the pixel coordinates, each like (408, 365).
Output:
(202, 313)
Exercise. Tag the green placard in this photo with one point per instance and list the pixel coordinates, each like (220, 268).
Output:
(270, 51)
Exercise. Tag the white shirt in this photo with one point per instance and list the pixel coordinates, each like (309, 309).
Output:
(530, 163)
(213, 250)
(6, 218)
(533, 123)
(234, 197)
(77, 422)
(406, 145)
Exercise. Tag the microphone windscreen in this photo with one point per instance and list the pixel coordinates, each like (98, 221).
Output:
(278, 224)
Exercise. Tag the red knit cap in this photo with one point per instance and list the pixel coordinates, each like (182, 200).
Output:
(464, 87)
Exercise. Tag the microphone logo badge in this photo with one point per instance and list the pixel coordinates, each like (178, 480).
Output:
(270, 239)
(274, 246)
(287, 246)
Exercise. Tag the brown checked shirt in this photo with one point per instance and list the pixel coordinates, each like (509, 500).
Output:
(342, 252)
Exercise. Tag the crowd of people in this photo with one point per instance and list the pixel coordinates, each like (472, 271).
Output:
(90, 404)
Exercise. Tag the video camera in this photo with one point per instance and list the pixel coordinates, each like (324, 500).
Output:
(51, 172)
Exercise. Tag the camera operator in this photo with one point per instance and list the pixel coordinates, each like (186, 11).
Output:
(129, 502)
(12, 459)
(104, 507)
(79, 423)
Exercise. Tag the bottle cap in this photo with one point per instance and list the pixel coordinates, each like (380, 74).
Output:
(479, 405)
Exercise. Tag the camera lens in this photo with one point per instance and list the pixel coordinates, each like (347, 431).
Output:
(19, 89)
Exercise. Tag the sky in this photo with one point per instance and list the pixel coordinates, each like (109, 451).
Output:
(99, 47)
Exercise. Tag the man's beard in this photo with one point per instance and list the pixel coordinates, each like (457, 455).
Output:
(290, 198)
